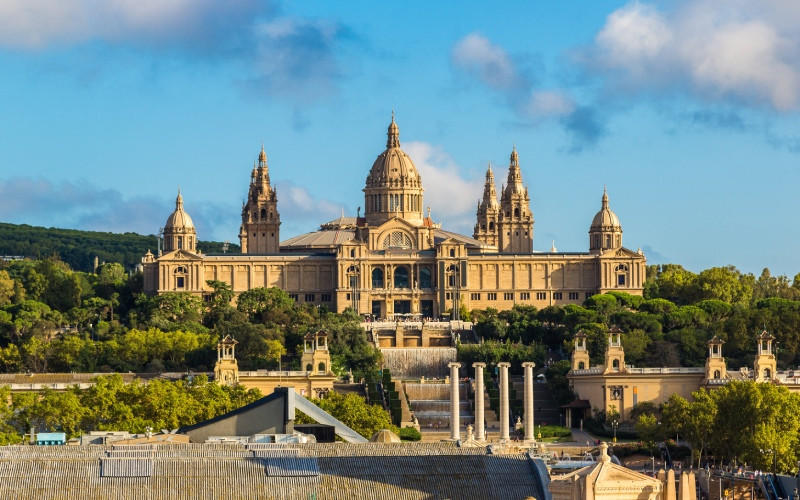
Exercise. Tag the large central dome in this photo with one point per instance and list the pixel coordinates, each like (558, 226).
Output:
(394, 186)
(393, 166)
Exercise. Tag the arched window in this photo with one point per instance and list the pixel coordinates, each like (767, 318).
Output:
(716, 374)
(767, 374)
(425, 280)
(491, 226)
(321, 368)
(580, 366)
(401, 277)
(377, 278)
(309, 367)
(615, 364)
(452, 275)
(397, 239)
(516, 212)
(263, 213)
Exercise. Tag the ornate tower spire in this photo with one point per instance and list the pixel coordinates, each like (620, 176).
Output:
(486, 227)
(515, 233)
(393, 135)
(261, 220)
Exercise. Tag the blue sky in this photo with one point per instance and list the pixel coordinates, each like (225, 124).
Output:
(686, 111)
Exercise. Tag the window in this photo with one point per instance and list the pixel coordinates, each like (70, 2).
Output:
(180, 242)
(541, 295)
(293, 296)
(608, 241)
(321, 368)
(580, 366)
(573, 295)
(401, 277)
(508, 296)
(621, 280)
(475, 296)
(525, 296)
(309, 297)
(425, 278)
(397, 239)
(452, 252)
(448, 296)
(491, 296)
(556, 295)
(377, 278)
(179, 282)
(587, 295)
(326, 297)
(263, 214)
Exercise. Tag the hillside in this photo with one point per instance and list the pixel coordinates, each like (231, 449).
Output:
(79, 248)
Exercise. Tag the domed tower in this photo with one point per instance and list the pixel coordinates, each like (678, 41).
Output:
(488, 212)
(516, 218)
(606, 232)
(394, 186)
(261, 221)
(179, 231)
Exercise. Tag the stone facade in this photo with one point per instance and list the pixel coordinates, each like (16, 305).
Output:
(615, 384)
(395, 259)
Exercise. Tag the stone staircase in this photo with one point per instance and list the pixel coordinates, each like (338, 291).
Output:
(545, 409)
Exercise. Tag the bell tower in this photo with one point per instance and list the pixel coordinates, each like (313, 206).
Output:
(580, 356)
(615, 355)
(226, 370)
(486, 227)
(316, 359)
(261, 221)
(766, 365)
(715, 364)
(516, 220)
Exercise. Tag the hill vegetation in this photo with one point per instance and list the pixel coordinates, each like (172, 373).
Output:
(79, 248)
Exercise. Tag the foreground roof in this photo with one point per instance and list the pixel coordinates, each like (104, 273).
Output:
(332, 471)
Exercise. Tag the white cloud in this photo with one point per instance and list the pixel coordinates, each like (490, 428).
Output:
(452, 198)
(490, 63)
(549, 103)
(747, 51)
(35, 24)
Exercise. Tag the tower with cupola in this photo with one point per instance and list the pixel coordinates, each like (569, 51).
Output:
(515, 227)
(261, 221)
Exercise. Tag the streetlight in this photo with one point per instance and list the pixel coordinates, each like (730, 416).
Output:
(774, 458)
(453, 273)
(614, 425)
(354, 275)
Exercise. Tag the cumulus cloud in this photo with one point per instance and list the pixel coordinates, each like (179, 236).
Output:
(301, 211)
(452, 197)
(276, 54)
(747, 52)
(36, 24)
(488, 62)
(477, 57)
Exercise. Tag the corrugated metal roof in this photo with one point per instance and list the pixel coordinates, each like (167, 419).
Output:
(328, 470)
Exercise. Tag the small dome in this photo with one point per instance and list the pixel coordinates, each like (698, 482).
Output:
(179, 220)
(605, 219)
(384, 436)
(393, 167)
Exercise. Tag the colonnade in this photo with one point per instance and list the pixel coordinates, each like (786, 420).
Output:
(505, 415)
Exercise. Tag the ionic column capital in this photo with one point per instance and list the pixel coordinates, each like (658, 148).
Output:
(504, 364)
(529, 364)
(478, 364)
(454, 364)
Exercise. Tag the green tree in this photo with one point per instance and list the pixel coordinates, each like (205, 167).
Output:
(354, 412)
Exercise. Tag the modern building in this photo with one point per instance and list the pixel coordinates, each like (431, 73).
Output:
(394, 259)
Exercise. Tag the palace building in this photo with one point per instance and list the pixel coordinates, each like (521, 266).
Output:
(394, 260)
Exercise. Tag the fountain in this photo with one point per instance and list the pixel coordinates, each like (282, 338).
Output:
(430, 403)
(416, 362)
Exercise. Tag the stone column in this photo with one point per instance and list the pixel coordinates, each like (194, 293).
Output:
(455, 420)
(504, 436)
(530, 435)
(479, 400)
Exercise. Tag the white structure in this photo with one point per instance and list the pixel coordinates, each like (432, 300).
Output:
(480, 425)
(529, 423)
(455, 402)
(504, 412)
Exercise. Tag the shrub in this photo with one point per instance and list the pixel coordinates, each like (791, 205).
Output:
(409, 434)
